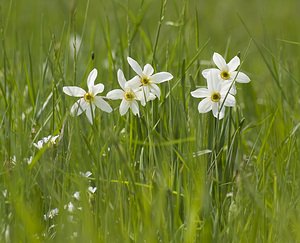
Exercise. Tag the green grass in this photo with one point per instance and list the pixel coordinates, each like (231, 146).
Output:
(172, 175)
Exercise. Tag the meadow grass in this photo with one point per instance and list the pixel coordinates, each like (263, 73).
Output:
(172, 174)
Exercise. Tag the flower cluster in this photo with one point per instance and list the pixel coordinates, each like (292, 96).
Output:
(49, 140)
(141, 88)
(221, 88)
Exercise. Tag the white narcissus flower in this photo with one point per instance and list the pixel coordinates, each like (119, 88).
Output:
(227, 71)
(214, 96)
(129, 94)
(88, 100)
(148, 80)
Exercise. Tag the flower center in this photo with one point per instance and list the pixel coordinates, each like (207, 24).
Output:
(145, 81)
(215, 97)
(88, 97)
(129, 95)
(225, 75)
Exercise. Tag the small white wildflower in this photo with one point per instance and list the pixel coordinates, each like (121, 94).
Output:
(92, 189)
(4, 193)
(86, 174)
(123, 131)
(70, 207)
(29, 160)
(13, 160)
(7, 233)
(46, 140)
(76, 195)
(51, 214)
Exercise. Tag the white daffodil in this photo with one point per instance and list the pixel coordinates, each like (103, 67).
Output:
(216, 96)
(148, 80)
(227, 71)
(88, 100)
(129, 94)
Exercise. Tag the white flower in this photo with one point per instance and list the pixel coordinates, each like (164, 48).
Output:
(46, 140)
(86, 174)
(216, 96)
(51, 214)
(148, 80)
(88, 100)
(70, 207)
(226, 71)
(29, 160)
(76, 195)
(92, 189)
(4, 192)
(129, 94)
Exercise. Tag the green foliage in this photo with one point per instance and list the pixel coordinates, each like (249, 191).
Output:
(172, 175)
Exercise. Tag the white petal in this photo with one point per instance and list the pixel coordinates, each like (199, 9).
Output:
(206, 71)
(134, 83)
(102, 104)
(154, 89)
(123, 107)
(226, 85)
(79, 107)
(74, 91)
(200, 93)
(213, 81)
(140, 95)
(89, 114)
(146, 91)
(215, 109)
(161, 77)
(135, 108)
(233, 90)
(233, 64)
(204, 105)
(91, 78)
(135, 66)
(230, 100)
(148, 70)
(98, 88)
(222, 113)
(115, 94)
(220, 62)
(241, 77)
(151, 97)
(144, 95)
(121, 79)
(39, 144)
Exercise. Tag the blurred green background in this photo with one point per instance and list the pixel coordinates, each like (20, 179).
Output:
(37, 60)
